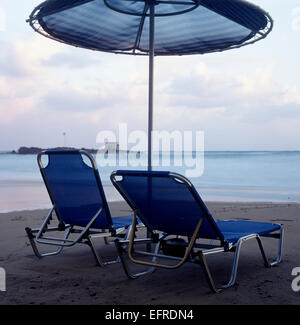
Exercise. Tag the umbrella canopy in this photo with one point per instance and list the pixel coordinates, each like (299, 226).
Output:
(152, 27)
(181, 26)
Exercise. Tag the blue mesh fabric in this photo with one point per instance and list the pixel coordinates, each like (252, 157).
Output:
(165, 204)
(175, 207)
(212, 25)
(235, 229)
(75, 189)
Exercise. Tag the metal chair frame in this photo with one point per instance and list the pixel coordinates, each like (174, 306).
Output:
(126, 247)
(86, 235)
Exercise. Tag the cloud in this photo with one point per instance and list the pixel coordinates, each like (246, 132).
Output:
(73, 59)
(46, 89)
(291, 94)
(75, 100)
(9, 63)
(261, 86)
(21, 78)
(265, 114)
(252, 97)
(31, 53)
(197, 86)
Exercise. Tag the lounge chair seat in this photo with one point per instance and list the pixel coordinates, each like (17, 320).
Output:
(179, 224)
(233, 230)
(75, 189)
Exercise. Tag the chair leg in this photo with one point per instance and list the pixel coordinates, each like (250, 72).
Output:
(278, 259)
(266, 262)
(131, 276)
(263, 254)
(280, 243)
(234, 267)
(32, 242)
(235, 264)
(98, 258)
(207, 274)
(35, 249)
(237, 256)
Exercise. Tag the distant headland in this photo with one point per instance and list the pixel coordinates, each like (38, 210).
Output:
(36, 150)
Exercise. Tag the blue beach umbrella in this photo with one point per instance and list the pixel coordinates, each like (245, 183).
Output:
(152, 27)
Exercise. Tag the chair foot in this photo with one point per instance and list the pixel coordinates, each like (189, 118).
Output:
(35, 249)
(121, 251)
(32, 242)
(98, 259)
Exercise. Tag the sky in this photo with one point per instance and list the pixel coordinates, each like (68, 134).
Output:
(243, 99)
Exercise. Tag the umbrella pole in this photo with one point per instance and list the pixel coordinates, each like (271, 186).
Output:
(150, 97)
(151, 77)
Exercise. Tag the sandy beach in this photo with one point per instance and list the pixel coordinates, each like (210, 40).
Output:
(73, 277)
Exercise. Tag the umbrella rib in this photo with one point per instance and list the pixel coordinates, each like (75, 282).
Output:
(140, 30)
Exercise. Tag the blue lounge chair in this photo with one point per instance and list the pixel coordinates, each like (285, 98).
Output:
(74, 186)
(169, 206)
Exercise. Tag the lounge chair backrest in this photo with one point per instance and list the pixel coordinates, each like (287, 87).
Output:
(75, 188)
(166, 202)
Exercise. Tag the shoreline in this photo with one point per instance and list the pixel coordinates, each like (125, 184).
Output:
(208, 202)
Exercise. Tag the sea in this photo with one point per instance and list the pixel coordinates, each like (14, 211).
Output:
(223, 176)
